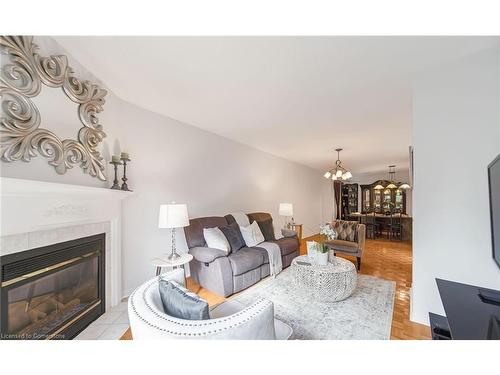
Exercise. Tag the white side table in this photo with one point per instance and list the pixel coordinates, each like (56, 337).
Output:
(162, 262)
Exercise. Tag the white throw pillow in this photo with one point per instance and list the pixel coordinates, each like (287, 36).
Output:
(215, 239)
(252, 234)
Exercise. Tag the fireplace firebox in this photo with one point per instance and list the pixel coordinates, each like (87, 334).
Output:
(52, 292)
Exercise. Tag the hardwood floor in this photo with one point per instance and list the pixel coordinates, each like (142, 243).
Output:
(391, 260)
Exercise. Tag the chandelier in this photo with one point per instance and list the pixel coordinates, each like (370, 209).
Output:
(338, 172)
(392, 184)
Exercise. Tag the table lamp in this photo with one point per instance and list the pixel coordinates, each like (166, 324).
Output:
(286, 209)
(173, 216)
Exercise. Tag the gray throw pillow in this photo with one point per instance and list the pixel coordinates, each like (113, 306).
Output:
(233, 235)
(267, 229)
(178, 302)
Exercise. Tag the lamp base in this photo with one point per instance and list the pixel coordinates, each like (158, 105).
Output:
(289, 224)
(174, 256)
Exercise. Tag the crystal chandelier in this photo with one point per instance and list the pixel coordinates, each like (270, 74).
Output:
(338, 172)
(392, 184)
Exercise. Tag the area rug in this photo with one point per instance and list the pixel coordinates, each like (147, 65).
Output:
(365, 315)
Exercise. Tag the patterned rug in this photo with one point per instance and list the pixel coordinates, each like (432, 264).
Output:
(366, 315)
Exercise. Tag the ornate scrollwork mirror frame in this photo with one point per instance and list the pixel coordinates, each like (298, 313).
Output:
(21, 136)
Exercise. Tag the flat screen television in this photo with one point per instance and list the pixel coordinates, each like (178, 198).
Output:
(494, 186)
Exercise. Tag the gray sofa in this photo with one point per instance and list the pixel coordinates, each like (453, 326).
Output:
(225, 274)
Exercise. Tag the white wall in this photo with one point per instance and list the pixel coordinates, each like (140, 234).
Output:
(173, 161)
(456, 128)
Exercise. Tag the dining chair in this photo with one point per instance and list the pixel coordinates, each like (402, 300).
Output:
(371, 225)
(396, 227)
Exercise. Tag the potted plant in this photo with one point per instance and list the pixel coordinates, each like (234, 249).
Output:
(327, 233)
(322, 254)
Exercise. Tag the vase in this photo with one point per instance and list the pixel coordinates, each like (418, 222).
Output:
(322, 258)
(331, 257)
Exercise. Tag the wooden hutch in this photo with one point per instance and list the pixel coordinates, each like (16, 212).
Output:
(349, 199)
(383, 200)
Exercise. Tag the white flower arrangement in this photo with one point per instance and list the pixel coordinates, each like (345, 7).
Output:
(328, 231)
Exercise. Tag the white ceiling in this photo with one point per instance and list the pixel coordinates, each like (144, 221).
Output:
(295, 97)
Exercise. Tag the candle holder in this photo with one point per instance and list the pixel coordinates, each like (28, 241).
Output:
(124, 178)
(116, 185)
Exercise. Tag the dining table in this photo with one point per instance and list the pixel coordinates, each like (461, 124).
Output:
(384, 220)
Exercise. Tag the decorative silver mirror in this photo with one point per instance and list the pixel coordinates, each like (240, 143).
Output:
(21, 137)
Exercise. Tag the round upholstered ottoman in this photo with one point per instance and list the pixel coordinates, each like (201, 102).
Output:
(335, 281)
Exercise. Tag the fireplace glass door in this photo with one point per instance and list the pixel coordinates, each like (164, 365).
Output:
(42, 305)
(54, 293)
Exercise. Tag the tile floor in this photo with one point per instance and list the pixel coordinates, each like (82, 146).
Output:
(109, 326)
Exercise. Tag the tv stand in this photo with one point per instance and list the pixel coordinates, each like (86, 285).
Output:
(472, 313)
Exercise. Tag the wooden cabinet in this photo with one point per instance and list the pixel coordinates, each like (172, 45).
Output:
(382, 200)
(366, 198)
(349, 199)
(387, 200)
(377, 200)
(400, 200)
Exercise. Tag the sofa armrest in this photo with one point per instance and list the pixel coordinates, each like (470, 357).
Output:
(206, 254)
(288, 233)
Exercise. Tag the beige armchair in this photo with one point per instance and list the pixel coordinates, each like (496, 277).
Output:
(350, 239)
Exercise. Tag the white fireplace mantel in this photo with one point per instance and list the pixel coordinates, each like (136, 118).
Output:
(21, 187)
(37, 213)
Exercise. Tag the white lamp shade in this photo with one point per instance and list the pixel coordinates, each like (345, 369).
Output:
(327, 175)
(404, 186)
(339, 173)
(286, 209)
(348, 175)
(173, 216)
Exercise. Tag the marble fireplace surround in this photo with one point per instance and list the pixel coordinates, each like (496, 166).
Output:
(35, 214)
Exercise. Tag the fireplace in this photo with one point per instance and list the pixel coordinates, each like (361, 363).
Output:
(52, 292)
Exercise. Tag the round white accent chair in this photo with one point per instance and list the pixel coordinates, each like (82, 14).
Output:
(229, 320)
